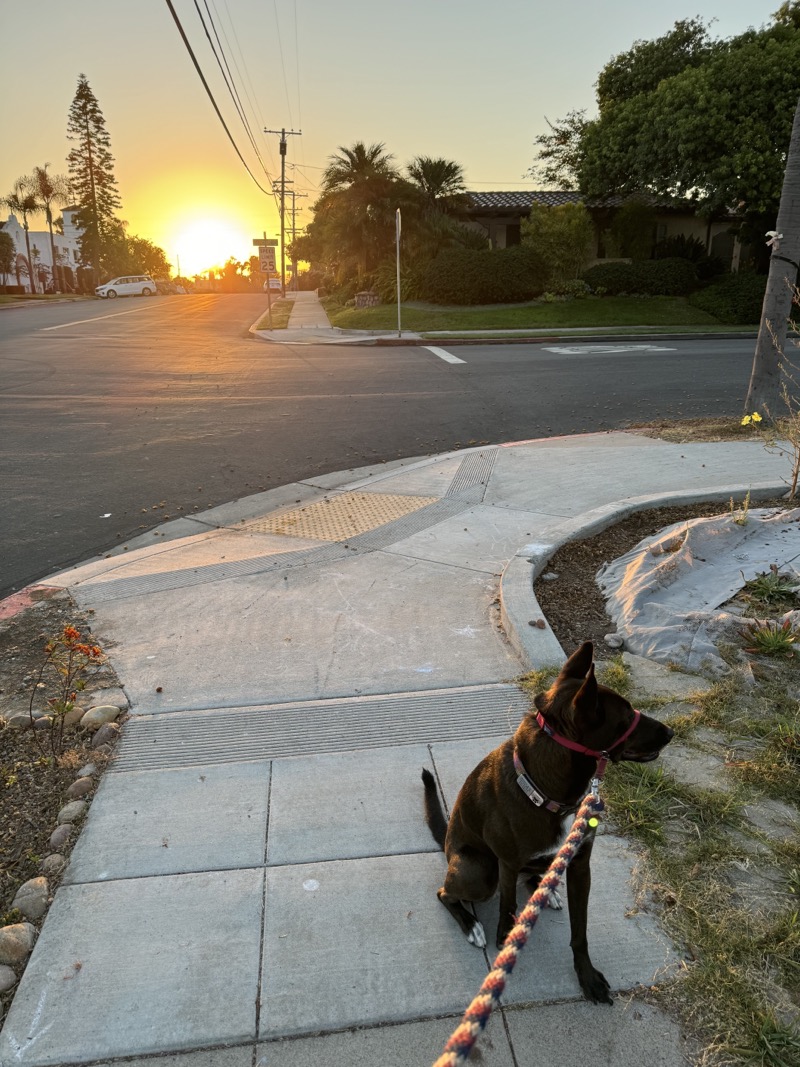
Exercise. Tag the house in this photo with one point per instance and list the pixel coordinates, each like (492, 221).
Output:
(68, 254)
(499, 215)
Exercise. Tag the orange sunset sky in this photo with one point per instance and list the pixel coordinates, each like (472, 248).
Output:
(468, 81)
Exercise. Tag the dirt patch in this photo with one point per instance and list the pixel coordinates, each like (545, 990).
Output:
(32, 783)
(572, 603)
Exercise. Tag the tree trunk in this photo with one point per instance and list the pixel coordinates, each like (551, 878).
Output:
(30, 261)
(765, 379)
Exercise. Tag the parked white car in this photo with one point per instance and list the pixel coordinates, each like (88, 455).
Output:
(131, 285)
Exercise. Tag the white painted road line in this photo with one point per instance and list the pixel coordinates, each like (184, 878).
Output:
(604, 350)
(97, 318)
(442, 353)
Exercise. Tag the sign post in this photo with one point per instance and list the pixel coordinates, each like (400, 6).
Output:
(266, 263)
(397, 230)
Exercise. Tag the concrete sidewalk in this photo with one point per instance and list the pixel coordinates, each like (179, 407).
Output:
(254, 882)
(309, 325)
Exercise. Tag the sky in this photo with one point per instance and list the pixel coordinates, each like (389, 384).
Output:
(468, 81)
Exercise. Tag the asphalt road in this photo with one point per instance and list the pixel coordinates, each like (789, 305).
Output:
(115, 416)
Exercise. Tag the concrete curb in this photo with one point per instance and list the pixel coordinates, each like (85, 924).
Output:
(518, 604)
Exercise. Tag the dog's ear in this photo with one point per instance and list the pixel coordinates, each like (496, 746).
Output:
(579, 663)
(585, 702)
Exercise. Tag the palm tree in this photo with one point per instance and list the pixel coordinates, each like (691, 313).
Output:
(765, 378)
(49, 189)
(351, 166)
(361, 189)
(441, 181)
(22, 202)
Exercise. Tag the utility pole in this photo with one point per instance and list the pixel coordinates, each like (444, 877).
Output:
(283, 133)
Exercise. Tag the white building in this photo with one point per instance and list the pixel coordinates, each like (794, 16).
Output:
(68, 255)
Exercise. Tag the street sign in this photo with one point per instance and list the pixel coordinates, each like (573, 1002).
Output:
(265, 242)
(266, 259)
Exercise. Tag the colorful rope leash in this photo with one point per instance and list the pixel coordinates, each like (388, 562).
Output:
(475, 1018)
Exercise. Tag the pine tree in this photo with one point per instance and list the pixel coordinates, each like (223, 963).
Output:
(91, 168)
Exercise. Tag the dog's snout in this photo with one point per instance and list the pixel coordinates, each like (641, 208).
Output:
(669, 734)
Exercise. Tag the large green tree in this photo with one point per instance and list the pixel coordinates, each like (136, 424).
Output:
(688, 117)
(91, 168)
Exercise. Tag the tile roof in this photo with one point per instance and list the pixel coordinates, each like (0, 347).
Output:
(517, 200)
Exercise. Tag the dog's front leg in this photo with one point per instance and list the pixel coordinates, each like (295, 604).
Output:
(508, 901)
(579, 881)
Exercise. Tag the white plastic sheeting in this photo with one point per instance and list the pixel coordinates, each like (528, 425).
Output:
(666, 594)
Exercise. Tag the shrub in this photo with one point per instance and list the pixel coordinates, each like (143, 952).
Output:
(563, 236)
(692, 248)
(576, 288)
(735, 299)
(483, 276)
(650, 277)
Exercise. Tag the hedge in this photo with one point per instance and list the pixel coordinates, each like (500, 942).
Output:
(483, 276)
(648, 277)
(735, 299)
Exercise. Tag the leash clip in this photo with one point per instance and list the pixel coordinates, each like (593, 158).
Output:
(594, 789)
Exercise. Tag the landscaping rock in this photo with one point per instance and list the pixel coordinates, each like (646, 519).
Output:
(700, 770)
(773, 817)
(97, 717)
(103, 697)
(31, 898)
(7, 979)
(20, 720)
(42, 722)
(53, 863)
(80, 787)
(650, 679)
(88, 770)
(16, 943)
(614, 640)
(71, 812)
(74, 716)
(60, 836)
(107, 734)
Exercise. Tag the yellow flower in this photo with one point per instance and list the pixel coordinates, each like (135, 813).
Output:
(748, 419)
(756, 417)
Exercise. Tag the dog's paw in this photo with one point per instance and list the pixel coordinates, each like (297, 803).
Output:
(477, 935)
(554, 900)
(594, 985)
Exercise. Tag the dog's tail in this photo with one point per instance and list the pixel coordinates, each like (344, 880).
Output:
(434, 816)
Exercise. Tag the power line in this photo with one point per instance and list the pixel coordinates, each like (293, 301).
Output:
(268, 192)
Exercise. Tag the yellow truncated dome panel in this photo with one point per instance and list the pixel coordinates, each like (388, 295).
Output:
(341, 516)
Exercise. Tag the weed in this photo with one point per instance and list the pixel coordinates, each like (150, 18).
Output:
(538, 680)
(770, 589)
(740, 517)
(615, 675)
(771, 638)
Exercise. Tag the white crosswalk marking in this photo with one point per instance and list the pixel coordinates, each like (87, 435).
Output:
(442, 353)
(603, 350)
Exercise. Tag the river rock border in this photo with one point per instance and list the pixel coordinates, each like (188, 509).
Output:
(33, 897)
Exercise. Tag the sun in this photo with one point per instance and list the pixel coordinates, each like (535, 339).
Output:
(208, 243)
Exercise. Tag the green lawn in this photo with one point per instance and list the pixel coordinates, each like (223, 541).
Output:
(664, 311)
(281, 310)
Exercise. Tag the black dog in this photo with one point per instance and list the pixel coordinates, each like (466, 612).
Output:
(507, 819)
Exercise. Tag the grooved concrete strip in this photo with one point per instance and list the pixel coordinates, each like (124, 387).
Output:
(473, 475)
(183, 739)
